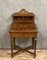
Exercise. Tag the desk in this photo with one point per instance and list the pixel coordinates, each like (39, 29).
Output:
(23, 26)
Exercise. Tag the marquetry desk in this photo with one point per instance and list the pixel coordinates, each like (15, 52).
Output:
(23, 25)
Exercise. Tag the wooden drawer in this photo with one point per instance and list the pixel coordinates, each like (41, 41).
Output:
(23, 34)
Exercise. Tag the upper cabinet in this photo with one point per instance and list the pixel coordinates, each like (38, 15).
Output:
(23, 16)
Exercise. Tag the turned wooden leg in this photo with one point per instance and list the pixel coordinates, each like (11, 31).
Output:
(14, 42)
(34, 48)
(11, 42)
(32, 42)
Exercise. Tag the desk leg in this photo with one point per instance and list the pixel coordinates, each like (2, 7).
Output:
(14, 42)
(32, 42)
(34, 48)
(11, 41)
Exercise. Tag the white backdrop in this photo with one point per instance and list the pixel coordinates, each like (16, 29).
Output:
(39, 7)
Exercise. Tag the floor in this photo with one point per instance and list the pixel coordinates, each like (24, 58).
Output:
(40, 55)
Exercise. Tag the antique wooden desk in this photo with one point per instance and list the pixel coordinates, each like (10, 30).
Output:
(23, 25)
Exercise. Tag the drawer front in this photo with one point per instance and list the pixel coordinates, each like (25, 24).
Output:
(21, 34)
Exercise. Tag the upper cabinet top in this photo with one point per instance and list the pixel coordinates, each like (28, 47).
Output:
(23, 12)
